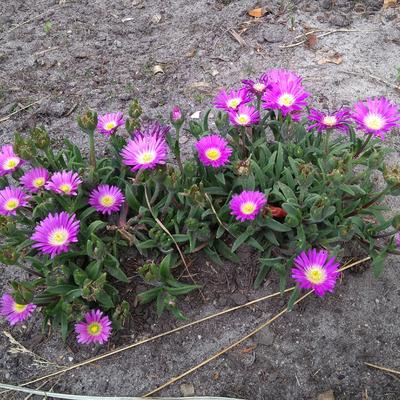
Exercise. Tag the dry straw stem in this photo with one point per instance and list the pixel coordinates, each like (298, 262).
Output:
(141, 342)
(244, 338)
(384, 369)
(7, 117)
(287, 46)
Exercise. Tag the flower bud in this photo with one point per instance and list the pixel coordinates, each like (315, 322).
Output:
(177, 117)
(88, 121)
(243, 168)
(135, 110)
(8, 255)
(40, 137)
(392, 175)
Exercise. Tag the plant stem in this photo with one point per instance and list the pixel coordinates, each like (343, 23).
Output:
(92, 152)
(363, 146)
(366, 205)
(382, 235)
(177, 150)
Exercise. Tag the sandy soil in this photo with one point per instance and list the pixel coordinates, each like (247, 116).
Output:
(101, 54)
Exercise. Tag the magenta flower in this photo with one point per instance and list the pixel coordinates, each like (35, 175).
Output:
(285, 92)
(64, 182)
(35, 179)
(313, 270)
(244, 116)
(274, 76)
(108, 124)
(322, 121)
(144, 152)
(13, 311)
(9, 161)
(95, 329)
(247, 205)
(154, 129)
(213, 150)
(258, 86)
(12, 198)
(376, 116)
(232, 100)
(106, 199)
(55, 233)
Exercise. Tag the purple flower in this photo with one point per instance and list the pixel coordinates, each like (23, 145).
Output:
(276, 75)
(55, 233)
(397, 239)
(144, 152)
(9, 161)
(258, 86)
(285, 92)
(108, 124)
(337, 120)
(12, 198)
(13, 311)
(35, 179)
(213, 150)
(64, 182)
(95, 329)
(244, 116)
(106, 199)
(232, 100)
(376, 116)
(313, 270)
(247, 205)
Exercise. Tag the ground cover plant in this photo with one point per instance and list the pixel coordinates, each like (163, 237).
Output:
(293, 183)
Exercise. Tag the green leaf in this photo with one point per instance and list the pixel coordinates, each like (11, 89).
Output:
(112, 266)
(165, 268)
(93, 269)
(226, 252)
(95, 226)
(262, 273)
(279, 161)
(293, 297)
(240, 240)
(131, 198)
(184, 289)
(149, 295)
(104, 299)
(60, 289)
(147, 244)
(276, 226)
(180, 237)
(220, 178)
(254, 243)
(378, 262)
(87, 213)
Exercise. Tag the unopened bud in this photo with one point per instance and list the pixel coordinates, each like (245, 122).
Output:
(88, 121)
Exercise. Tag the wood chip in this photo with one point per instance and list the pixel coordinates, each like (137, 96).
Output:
(335, 58)
(389, 3)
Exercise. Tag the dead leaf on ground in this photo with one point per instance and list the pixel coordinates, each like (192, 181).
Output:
(248, 349)
(389, 3)
(237, 37)
(257, 12)
(311, 41)
(335, 58)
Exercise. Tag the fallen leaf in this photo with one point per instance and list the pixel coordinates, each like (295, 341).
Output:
(335, 58)
(248, 349)
(311, 41)
(389, 3)
(257, 12)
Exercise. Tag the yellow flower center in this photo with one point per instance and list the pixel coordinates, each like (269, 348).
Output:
(316, 275)
(374, 121)
(11, 204)
(259, 87)
(19, 308)
(94, 329)
(58, 237)
(233, 103)
(330, 120)
(110, 125)
(243, 119)
(65, 187)
(107, 200)
(11, 163)
(286, 100)
(147, 157)
(248, 208)
(38, 182)
(213, 154)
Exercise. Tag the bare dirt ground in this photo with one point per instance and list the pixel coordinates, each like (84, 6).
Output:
(101, 54)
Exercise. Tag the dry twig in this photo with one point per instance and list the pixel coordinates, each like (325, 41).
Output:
(7, 117)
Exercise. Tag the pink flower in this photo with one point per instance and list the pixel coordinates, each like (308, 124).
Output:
(322, 121)
(9, 161)
(232, 100)
(106, 199)
(247, 205)
(213, 150)
(313, 270)
(64, 182)
(108, 124)
(12, 198)
(244, 116)
(13, 311)
(35, 179)
(95, 329)
(376, 116)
